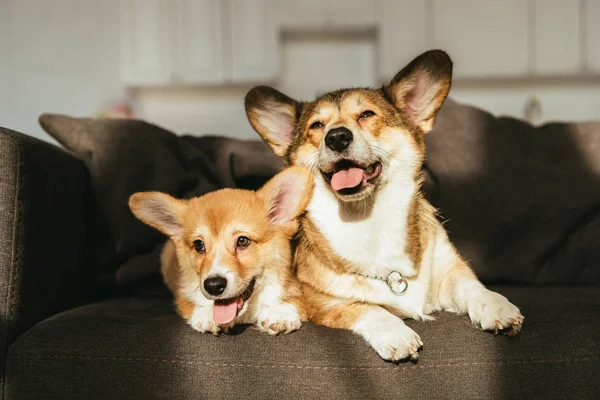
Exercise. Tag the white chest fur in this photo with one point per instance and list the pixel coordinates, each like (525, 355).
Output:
(375, 243)
(374, 239)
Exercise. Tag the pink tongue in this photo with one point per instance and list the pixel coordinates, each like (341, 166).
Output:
(225, 313)
(347, 178)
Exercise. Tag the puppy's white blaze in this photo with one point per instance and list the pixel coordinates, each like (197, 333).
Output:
(218, 269)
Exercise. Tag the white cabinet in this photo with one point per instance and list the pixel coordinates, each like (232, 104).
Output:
(402, 34)
(294, 14)
(353, 13)
(254, 40)
(325, 14)
(145, 41)
(198, 41)
(199, 50)
(484, 38)
(557, 37)
(592, 14)
(213, 42)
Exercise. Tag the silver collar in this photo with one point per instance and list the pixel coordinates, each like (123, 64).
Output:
(395, 281)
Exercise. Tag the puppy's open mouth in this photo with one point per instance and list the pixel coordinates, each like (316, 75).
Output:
(225, 310)
(349, 178)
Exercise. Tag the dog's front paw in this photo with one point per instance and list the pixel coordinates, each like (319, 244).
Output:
(389, 336)
(398, 343)
(493, 312)
(202, 320)
(283, 318)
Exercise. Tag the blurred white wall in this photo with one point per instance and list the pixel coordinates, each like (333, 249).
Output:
(64, 56)
(310, 65)
(57, 56)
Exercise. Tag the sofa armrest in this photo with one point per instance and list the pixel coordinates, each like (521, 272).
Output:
(42, 233)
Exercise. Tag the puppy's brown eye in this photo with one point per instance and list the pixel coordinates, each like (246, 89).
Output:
(316, 125)
(366, 114)
(199, 246)
(243, 242)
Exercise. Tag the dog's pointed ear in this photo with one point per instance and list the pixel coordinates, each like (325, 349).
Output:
(160, 211)
(286, 196)
(421, 87)
(273, 115)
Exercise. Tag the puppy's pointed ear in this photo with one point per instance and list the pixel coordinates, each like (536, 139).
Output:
(421, 87)
(273, 115)
(160, 211)
(286, 196)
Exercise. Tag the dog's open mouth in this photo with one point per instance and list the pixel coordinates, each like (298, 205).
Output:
(349, 178)
(225, 310)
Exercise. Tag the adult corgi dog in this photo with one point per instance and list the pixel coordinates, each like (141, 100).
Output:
(371, 250)
(229, 257)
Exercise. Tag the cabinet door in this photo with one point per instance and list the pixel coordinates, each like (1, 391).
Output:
(326, 14)
(145, 41)
(557, 37)
(592, 13)
(484, 38)
(201, 47)
(402, 34)
(254, 41)
(302, 14)
(353, 14)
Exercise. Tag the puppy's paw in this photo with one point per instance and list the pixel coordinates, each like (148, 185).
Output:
(202, 320)
(493, 312)
(390, 337)
(283, 318)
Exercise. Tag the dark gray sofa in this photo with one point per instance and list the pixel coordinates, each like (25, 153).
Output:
(73, 331)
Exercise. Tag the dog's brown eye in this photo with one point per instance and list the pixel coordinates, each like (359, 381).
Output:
(199, 246)
(243, 242)
(316, 125)
(366, 114)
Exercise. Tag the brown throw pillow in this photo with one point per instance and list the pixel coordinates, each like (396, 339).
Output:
(127, 156)
(522, 203)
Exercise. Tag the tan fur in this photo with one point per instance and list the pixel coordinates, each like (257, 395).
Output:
(185, 308)
(219, 219)
(344, 281)
(332, 311)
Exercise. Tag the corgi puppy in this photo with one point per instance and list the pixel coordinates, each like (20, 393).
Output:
(229, 258)
(371, 251)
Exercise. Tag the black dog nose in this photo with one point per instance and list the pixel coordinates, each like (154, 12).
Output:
(216, 285)
(338, 139)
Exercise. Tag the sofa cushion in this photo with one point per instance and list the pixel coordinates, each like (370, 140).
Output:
(137, 347)
(522, 203)
(127, 156)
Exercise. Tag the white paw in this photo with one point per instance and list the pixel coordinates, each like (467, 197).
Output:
(389, 336)
(283, 318)
(493, 312)
(202, 320)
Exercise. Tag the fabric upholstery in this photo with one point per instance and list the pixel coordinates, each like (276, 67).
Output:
(522, 203)
(127, 156)
(138, 348)
(42, 234)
